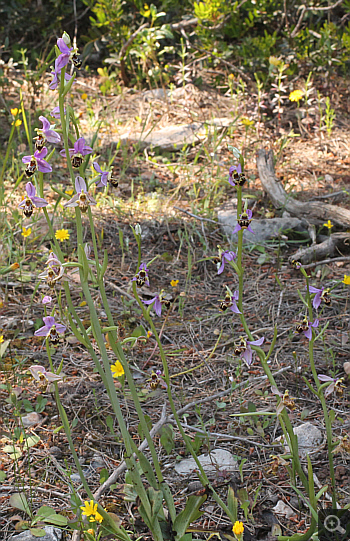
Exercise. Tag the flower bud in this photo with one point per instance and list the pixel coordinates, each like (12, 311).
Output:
(66, 38)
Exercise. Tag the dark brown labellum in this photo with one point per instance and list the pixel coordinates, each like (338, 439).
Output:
(77, 161)
(76, 61)
(140, 281)
(114, 182)
(31, 168)
(39, 142)
(28, 209)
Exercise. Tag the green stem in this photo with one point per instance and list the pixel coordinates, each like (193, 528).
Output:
(203, 477)
(8, 149)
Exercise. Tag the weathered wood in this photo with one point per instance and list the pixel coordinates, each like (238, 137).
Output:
(315, 212)
(338, 244)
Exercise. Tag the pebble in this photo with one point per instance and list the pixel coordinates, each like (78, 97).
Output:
(31, 419)
(52, 534)
(219, 459)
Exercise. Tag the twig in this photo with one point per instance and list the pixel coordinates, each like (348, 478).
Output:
(195, 216)
(304, 9)
(326, 261)
(131, 39)
(223, 393)
(227, 436)
(119, 289)
(39, 489)
(122, 467)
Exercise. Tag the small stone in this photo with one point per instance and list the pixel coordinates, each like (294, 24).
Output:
(264, 230)
(31, 419)
(211, 463)
(346, 367)
(97, 461)
(55, 451)
(52, 534)
(309, 439)
(283, 509)
(194, 486)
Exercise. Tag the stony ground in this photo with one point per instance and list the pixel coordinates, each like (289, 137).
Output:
(154, 190)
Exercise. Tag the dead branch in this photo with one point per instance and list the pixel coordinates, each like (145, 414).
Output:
(336, 245)
(315, 212)
(304, 9)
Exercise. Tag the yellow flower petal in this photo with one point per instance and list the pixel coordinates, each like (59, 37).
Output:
(346, 280)
(26, 232)
(62, 234)
(14, 111)
(238, 528)
(296, 95)
(84, 96)
(174, 283)
(328, 224)
(117, 369)
(1, 339)
(89, 508)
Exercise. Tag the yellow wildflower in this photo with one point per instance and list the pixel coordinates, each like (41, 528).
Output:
(89, 508)
(15, 111)
(346, 280)
(296, 95)
(238, 528)
(17, 122)
(84, 96)
(149, 334)
(231, 76)
(117, 369)
(15, 266)
(98, 517)
(69, 192)
(246, 122)
(174, 283)
(26, 232)
(274, 61)
(90, 531)
(62, 234)
(1, 339)
(328, 224)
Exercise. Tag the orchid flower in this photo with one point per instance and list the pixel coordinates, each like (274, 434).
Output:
(56, 112)
(157, 304)
(243, 348)
(141, 278)
(321, 295)
(56, 72)
(54, 271)
(46, 133)
(228, 256)
(105, 177)
(50, 329)
(306, 327)
(76, 154)
(67, 54)
(236, 176)
(230, 302)
(244, 221)
(36, 161)
(39, 373)
(31, 200)
(335, 384)
(82, 198)
(155, 381)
